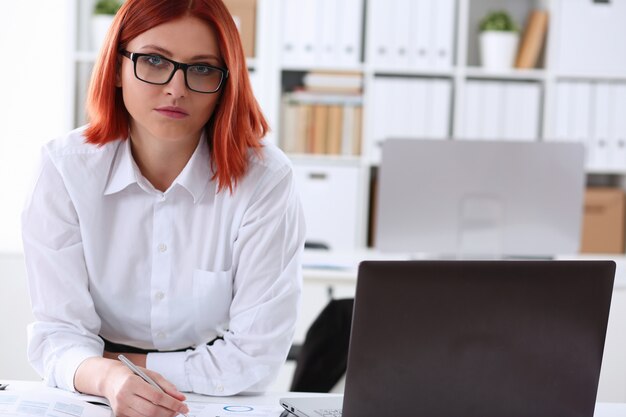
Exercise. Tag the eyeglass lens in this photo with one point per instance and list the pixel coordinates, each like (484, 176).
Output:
(154, 69)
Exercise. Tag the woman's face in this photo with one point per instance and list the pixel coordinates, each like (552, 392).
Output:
(170, 112)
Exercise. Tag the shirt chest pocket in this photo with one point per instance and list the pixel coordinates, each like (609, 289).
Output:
(212, 296)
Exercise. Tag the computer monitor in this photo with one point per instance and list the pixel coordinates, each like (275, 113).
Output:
(482, 199)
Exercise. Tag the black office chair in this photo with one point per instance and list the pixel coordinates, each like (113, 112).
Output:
(323, 357)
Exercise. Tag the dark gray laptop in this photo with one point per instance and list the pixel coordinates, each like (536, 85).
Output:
(473, 339)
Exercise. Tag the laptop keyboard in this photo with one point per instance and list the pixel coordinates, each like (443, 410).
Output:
(329, 413)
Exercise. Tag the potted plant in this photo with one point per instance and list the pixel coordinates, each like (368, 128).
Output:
(499, 37)
(103, 13)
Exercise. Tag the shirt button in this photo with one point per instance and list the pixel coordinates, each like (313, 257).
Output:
(159, 295)
(160, 335)
(162, 247)
(219, 388)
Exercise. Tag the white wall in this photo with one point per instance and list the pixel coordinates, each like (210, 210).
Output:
(16, 314)
(35, 76)
(35, 54)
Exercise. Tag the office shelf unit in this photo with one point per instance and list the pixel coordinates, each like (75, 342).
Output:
(419, 63)
(440, 91)
(421, 78)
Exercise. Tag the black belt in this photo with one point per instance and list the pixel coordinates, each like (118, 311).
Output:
(120, 348)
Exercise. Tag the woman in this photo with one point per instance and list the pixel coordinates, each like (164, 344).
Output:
(166, 229)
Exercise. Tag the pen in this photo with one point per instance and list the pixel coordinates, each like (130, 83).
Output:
(140, 373)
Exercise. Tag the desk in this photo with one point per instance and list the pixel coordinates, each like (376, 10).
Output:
(342, 266)
(271, 399)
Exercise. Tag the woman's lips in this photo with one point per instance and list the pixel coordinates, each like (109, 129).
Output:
(172, 112)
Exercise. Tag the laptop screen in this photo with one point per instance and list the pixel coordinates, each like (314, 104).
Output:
(485, 198)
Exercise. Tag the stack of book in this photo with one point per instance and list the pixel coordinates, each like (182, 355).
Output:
(325, 117)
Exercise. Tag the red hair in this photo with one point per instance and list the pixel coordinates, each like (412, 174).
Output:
(237, 123)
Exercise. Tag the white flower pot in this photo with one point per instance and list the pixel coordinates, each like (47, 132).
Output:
(498, 49)
(100, 25)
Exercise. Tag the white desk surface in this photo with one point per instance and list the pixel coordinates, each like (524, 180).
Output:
(343, 265)
(255, 400)
(271, 399)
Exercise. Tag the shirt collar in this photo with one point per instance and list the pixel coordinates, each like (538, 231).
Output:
(194, 177)
(197, 173)
(124, 170)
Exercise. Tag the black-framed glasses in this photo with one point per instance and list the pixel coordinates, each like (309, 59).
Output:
(155, 69)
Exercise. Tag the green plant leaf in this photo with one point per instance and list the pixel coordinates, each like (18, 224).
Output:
(107, 7)
(498, 21)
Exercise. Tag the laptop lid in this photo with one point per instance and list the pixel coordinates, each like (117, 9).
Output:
(477, 338)
(483, 199)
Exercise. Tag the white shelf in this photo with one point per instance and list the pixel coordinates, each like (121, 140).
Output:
(589, 77)
(324, 159)
(251, 63)
(412, 71)
(326, 68)
(513, 74)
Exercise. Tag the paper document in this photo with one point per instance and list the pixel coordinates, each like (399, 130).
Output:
(45, 403)
(202, 409)
(51, 402)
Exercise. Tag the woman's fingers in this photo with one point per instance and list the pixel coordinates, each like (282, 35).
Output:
(167, 386)
(160, 399)
(147, 408)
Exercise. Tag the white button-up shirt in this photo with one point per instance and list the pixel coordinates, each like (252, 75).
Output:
(108, 254)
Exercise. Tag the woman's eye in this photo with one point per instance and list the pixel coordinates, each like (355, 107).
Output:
(201, 69)
(154, 60)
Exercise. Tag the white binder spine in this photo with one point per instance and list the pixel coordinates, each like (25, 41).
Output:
(308, 28)
(291, 42)
(416, 96)
(601, 140)
(380, 90)
(401, 10)
(512, 108)
(472, 111)
(618, 126)
(397, 111)
(562, 112)
(350, 19)
(491, 120)
(421, 34)
(443, 29)
(580, 112)
(379, 39)
(440, 105)
(528, 119)
(328, 25)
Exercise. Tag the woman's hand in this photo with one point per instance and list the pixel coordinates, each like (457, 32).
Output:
(129, 395)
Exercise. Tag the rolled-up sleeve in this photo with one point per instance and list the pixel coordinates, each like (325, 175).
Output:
(66, 325)
(266, 292)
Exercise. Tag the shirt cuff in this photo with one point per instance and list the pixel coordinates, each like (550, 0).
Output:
(171, 365)
(68, 364)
